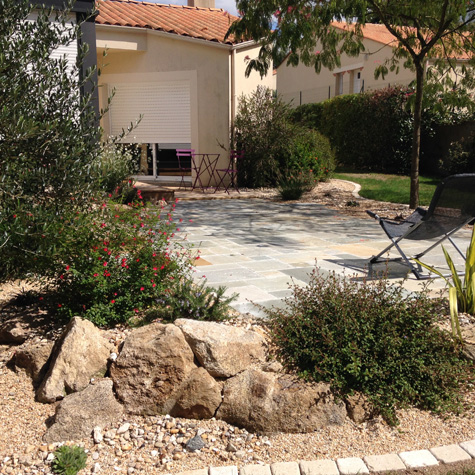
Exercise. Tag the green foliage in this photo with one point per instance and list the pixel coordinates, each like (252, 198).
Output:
(114, 167)
(115, 261)
(68, 460)
(423, 30)
(271, 142)
(292, 185)
(461, 293)
(460, 158)
(370, 337)
(49, 136)
(370, 131)
(262, 132)
(196, 301)
(310, 153)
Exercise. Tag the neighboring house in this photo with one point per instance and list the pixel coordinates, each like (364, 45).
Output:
(302, 85)
(81, 12)
(172, 66)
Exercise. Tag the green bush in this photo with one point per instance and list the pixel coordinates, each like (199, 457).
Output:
(116, 260)
(292, 185)
(310, 152)
(262, 131)
(69, 460)
(196, 301)
(370, 131)
(114, 167)
(271, 142)
(370, 337)
(460, 158)
(49, 136)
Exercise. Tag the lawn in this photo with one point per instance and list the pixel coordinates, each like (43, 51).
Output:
(392, 188)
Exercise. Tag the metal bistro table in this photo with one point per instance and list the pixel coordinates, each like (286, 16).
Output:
(204, 165)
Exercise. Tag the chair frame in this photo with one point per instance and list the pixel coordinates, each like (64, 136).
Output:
(421, 216)
(184, 153)
(231, 171)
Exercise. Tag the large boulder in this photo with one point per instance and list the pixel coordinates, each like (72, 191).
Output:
(154, 362)
(199, 398)
(79, 355)
(269, 402)
(78, 414)
(223, 350)
(33, 359)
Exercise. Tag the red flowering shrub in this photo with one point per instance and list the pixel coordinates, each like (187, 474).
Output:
(117, 260)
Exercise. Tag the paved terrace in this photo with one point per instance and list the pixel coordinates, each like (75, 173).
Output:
(257, 247)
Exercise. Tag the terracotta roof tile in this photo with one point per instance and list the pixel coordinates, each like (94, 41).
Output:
(209, 24)
(381, 34)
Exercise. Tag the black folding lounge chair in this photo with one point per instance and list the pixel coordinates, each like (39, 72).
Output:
(451, 208)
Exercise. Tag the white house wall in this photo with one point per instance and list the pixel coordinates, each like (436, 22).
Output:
(302, 85)
(167, 58)
(247, 85)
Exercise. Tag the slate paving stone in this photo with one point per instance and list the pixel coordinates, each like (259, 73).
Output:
(293, 234)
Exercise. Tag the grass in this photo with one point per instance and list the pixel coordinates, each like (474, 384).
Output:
(391, 188)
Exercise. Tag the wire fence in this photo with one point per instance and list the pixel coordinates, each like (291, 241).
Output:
(319, 94)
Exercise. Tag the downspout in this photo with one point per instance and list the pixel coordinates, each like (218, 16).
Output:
(233, 91)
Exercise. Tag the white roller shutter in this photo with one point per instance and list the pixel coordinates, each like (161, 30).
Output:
(164, 106)
(70, 51)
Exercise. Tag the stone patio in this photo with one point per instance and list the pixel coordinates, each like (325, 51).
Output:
(257, 247)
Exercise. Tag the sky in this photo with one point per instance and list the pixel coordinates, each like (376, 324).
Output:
(228, 5)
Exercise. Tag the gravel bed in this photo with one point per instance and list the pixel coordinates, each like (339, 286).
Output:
(162, 444)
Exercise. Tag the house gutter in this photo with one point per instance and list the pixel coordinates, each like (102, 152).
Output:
(165, 34)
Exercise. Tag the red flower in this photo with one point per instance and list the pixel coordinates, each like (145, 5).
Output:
(142, 288)
(67, 267)
(112, 301)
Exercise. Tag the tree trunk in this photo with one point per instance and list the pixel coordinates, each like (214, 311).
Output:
(416, 138)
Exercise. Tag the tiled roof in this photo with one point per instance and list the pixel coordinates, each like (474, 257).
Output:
(209, 24)
(381, 34)
(372, 31)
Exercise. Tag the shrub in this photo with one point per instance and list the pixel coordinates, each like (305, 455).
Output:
(370, 131)
(114, 167)
(262, 131)
(196, 301)
(271, 142)
(370, 338)
(460, 157)
(310, 152)
(69, 460)
(292, 185)
(116, 260)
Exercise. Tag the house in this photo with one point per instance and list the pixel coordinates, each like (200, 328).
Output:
(172, 66)
(81, 11)
(301, 85)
